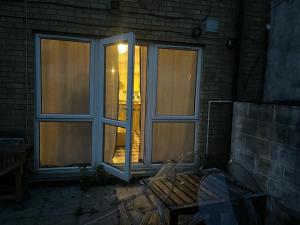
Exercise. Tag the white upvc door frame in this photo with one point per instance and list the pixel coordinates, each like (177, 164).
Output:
(151, 103)
(130, 39)
(96, 116)
(40, 117)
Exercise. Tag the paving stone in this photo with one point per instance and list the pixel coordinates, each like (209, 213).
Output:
(58, 205)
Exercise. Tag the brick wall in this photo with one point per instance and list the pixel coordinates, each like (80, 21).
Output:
(150, 20)
(266, 139)
(254, 42)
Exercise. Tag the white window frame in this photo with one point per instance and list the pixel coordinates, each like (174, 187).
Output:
(96, 109)
(39, 117)
(127, 124)
(152, 74)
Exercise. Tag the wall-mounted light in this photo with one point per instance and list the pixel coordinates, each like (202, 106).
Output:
(122, 48)
(196, 32)
(232, 43)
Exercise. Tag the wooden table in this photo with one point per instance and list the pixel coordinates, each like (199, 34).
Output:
(17, 159)
(211, 192)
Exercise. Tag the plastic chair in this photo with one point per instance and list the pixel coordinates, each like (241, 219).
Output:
(242, 213)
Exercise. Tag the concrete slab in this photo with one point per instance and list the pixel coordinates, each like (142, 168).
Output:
(62, 205)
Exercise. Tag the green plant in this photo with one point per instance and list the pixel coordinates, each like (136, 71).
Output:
(99, 177)
(84, 181)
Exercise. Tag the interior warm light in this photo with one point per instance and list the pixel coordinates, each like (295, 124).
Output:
(113, 70)
(122, 48)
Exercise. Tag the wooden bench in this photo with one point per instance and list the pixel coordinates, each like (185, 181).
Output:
(15, 159)
(189, 195)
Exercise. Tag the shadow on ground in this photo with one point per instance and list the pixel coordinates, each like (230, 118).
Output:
(64, 205)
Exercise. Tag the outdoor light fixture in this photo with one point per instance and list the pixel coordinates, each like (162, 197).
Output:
(122, 48)
(196, 32)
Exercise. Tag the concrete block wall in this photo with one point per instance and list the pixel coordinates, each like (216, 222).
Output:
(162, 21)
(266, 139)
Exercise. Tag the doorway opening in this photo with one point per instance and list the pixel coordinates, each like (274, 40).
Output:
(138, 104)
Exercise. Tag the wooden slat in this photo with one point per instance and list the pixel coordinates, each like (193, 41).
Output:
(161, 194)
(181, 194)
(189, 185)
(191, 180)
(205, 193)
(166, 190)
(202, 195)
(183, 187)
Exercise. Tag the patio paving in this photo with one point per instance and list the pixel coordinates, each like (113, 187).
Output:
(64, 205)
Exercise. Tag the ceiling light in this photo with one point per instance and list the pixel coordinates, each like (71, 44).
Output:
(122, 48)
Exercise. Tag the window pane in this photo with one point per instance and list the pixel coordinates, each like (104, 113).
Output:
(172, 141)
(176, 82)
(116, 71)
(65, 143)
(114, 139)
(65, 76)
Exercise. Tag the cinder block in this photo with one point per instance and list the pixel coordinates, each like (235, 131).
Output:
(261, 112)
(269, 168)
(285, 155)
(292, 178)
(258, 146)
(275, 189)
(291, 198)
(249, 127)
(293, 136)
(264, 130)
(246, 159)
(262, 180)
(289, 115)
(280, 133)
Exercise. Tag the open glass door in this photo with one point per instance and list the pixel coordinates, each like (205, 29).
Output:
(117, 63)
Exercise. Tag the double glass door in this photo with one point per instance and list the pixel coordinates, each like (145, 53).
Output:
(115, 103)
(165, 124)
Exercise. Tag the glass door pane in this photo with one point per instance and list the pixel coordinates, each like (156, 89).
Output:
(65, 77)
(116, 72)
(175, 114)
(172, 141)
(176, 82)
(118, 55)
(65, 144)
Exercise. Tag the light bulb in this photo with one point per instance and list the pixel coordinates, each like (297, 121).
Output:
(122, 48)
